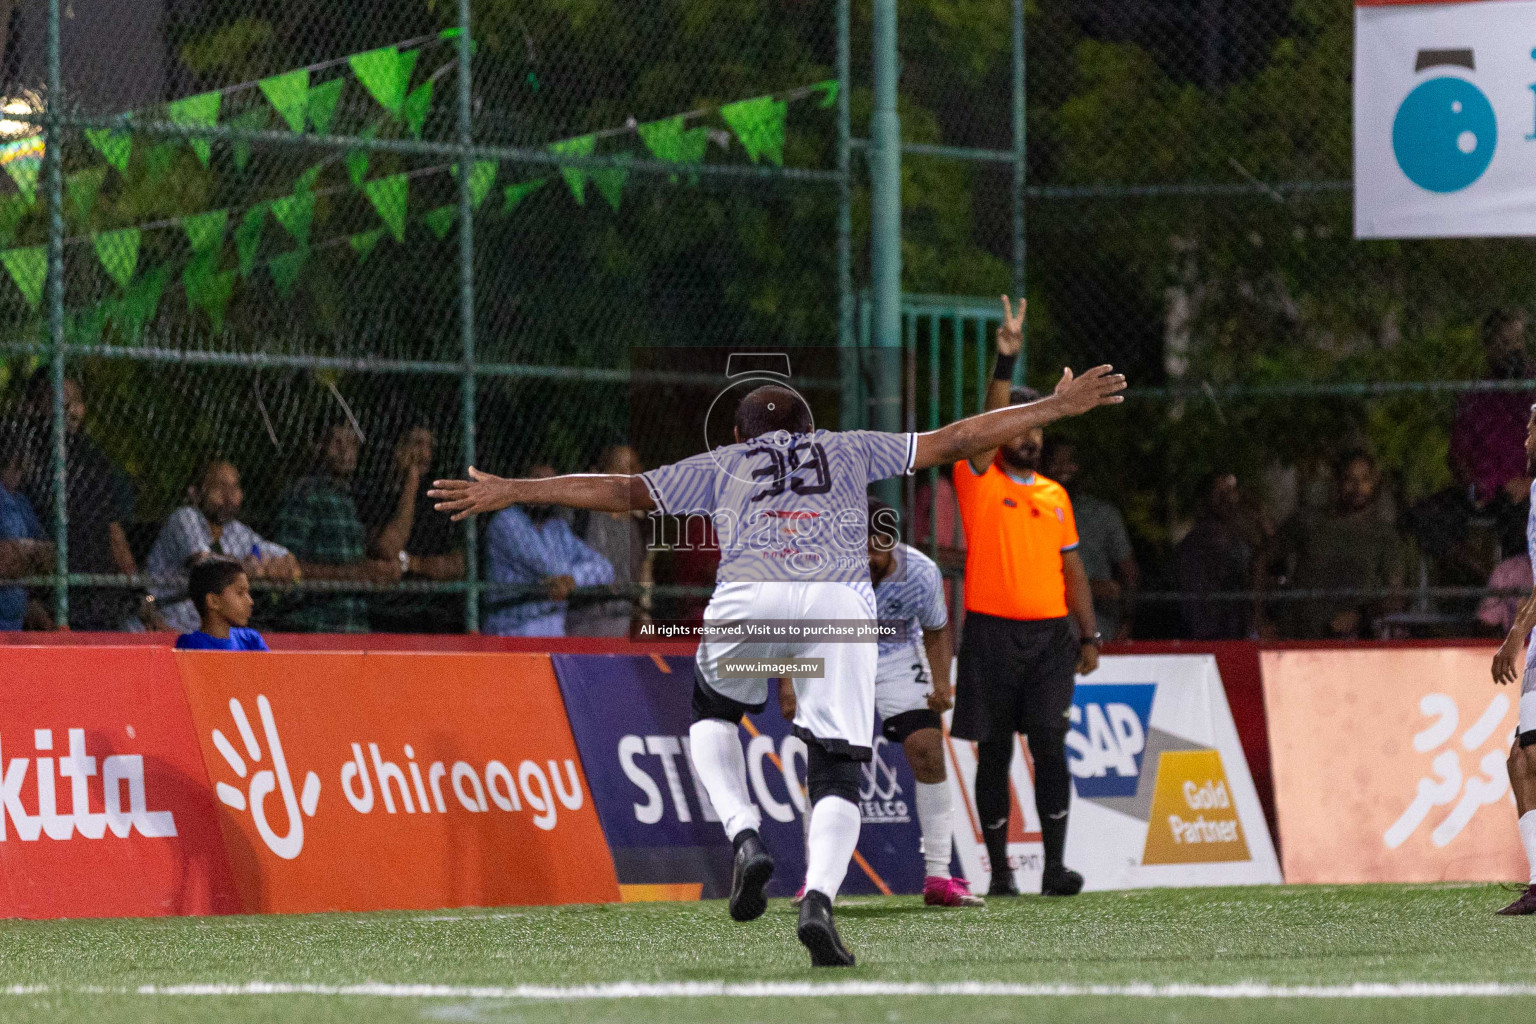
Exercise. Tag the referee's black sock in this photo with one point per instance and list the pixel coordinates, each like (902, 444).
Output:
(1053, 790)
(992, 760)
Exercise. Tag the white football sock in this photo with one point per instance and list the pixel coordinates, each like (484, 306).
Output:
(834, 834)
(933, 816)
(1528, 839)
(720, 765)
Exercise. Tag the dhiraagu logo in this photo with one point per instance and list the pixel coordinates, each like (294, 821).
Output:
(1445, 132)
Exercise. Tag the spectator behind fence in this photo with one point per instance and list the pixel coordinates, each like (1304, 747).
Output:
(317, 521)
(530, 547)
(1488, 434)
(98, 501)
(404, 528)
(620, 538)
(220, 592)
(1349, 547)
(1218, 554)
(209, 526)
(1497, 611)
(1105, 546)
(24, 547)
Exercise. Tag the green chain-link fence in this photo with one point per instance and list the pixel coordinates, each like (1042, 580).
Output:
(262, 233)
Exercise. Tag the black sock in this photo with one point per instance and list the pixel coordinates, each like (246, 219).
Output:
(1053, 790)
(992, 760)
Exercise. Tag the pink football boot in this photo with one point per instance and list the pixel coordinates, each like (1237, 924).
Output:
(950, 892)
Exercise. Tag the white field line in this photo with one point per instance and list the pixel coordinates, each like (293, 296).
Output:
(808, 990)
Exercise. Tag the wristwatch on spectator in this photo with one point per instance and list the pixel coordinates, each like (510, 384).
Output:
(1097, 640)
(405, 562)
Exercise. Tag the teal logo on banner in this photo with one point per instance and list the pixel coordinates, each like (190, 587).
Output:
(630, 715)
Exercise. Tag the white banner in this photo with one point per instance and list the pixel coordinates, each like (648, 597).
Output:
(1161, 790)
(1445, 119)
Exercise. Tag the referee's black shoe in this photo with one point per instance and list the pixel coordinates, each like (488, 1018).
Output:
(749, 875)
(1003, 885)
(1060, 880)
(819, 935)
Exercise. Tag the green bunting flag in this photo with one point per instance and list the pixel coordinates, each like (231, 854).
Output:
(23, 171)
(482, 175)
(115, 147)
(759, 124)
(294, 213)
(610, 181)
(252, 119)
(386, 74)
(515, 194)
(829, 90)
(417, 104)
(81, 190)
(248, 237)
(200, 111)
(441, 220)
(139, 304)
(118, 252)
(389, 197)
(322, 104)
(363, 242)
(576, 177)
(29, 269)
(206, 230)
(212, 294)
(357, 159)
(285, 270)
(669, 140)
(289, 95)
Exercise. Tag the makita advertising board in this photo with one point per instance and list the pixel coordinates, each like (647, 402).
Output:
(631, 714)
(105, 808)
(1161, 794)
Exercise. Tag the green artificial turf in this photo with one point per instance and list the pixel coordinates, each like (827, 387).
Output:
(91, 970)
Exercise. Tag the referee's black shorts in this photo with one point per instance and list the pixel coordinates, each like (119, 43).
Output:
(1015, 675)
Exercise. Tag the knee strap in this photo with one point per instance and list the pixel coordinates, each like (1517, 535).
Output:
(832, 774)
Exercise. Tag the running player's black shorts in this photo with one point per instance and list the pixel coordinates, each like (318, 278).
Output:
(1015, 675)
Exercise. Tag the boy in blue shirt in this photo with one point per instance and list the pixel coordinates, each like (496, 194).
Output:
(221, 592)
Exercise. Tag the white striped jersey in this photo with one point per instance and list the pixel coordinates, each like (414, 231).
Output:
(912, 592)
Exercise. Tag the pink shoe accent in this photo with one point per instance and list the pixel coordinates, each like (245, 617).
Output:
(950, 892)
(799, 896)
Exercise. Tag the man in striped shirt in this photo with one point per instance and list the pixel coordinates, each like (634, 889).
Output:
(788, 503)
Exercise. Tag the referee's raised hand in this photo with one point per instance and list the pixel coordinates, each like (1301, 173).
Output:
(1010, 333)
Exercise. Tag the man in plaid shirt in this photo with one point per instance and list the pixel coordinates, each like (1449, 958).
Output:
(319, 524)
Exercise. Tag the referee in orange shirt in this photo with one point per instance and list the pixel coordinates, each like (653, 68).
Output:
(1029, 626)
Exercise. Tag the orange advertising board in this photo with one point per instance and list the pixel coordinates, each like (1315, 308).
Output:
(1389, 765)
(351, 781)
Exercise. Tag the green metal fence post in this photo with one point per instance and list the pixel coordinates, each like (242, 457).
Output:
(1020, 131)
(885, 232)
(467, 310)
(53, 157)
(850, 409)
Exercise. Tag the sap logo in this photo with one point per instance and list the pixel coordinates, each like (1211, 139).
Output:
(764, 762)
(117, 771)
(1445, 132)
(1108, 737)
(264, 782)
(880, 800)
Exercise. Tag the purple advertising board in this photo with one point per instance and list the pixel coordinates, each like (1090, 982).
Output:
(630, 715)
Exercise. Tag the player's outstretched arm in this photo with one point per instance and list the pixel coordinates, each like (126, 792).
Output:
(1506, 662)
(1073, 397)
(482, 492)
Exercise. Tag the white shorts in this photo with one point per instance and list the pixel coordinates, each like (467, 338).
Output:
(837, 710)
(903, 681)
(1527, 702)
